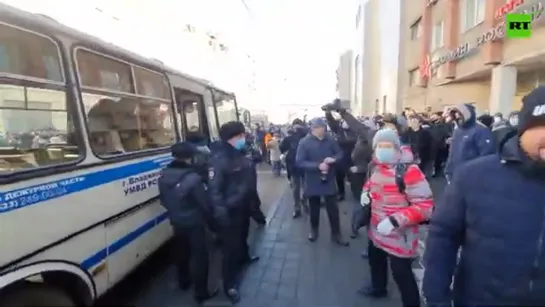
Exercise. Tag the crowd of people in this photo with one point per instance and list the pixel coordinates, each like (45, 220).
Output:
(485, 232)
(211, 188)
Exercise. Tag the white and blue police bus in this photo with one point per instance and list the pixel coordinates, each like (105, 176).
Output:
(85, 128)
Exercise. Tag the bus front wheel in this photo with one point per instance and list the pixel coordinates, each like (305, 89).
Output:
(37, 295)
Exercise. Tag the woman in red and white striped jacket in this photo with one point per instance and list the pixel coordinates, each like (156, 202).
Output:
(396, 213)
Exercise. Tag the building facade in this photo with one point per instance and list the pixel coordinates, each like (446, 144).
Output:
(376, 60)
(455, 51)
(344, 76)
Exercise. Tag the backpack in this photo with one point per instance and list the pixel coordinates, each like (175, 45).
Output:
(400, 182)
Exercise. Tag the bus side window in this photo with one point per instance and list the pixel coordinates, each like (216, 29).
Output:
(36, 118)
(191, 115)
(124, 115)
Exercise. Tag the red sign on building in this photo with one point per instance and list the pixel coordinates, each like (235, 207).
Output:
(425, 69)
(507, 8)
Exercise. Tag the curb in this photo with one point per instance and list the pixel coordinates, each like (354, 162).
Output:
(257, 234)
(271, 213)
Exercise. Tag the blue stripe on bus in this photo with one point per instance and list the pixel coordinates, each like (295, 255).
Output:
(102, 254)
(24, 197)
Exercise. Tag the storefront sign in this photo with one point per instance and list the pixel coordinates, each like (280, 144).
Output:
(508, 8)
(496, 33)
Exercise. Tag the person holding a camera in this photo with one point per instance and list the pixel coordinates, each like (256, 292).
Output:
(317, 157)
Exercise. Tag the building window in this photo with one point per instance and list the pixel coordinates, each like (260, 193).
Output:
(416, 30)
(471, 13)
(414, 76)
(437, 36)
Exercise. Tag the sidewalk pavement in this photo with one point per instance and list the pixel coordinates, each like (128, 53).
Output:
(297, 273)
(292, 271)
(160, 288)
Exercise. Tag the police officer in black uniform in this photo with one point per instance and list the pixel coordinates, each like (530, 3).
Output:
(182, 193)
(232, 183)
(255, 158)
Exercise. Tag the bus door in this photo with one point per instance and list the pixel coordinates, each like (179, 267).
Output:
(193, 112)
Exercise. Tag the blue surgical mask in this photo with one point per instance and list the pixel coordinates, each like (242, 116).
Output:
(240, 144)
(386, 155)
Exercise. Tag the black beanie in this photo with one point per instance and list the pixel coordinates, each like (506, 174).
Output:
(183, 150)
(297, 121)
(532, 112)
(231, 129)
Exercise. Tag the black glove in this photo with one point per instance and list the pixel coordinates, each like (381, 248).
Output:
(336, 105)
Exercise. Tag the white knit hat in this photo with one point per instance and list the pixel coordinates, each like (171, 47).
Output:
(386, 135)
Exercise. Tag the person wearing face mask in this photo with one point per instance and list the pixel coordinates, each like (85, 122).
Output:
(501, 131)
(395, 217)
(232, 185)
(317, 157)
(470, 140)
(494, 211)
(498, 120)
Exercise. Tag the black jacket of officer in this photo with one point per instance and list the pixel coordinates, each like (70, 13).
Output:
(232, 185)
(182, 190)
(231, 176)
(183, 194)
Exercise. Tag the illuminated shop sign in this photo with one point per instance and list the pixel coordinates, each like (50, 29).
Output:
(498, 32)
(507, 8)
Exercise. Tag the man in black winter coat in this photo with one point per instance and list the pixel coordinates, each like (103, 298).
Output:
(420, 141)
(346, 138)
(288, 147)
(506, 127)
(440, 131)
(232, 186)
(182, 193)
(485, 242)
